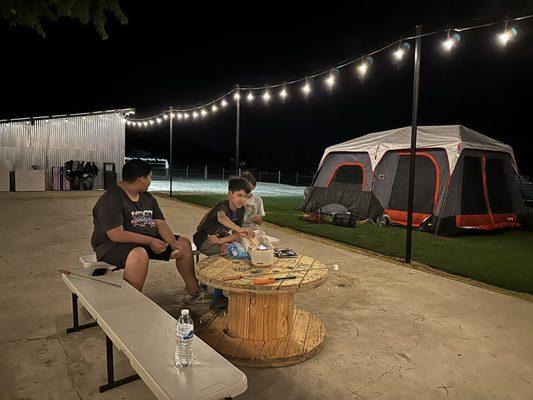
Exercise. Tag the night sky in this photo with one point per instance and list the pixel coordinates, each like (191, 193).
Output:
(185, 55)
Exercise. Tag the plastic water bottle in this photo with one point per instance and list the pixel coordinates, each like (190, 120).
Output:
(184, 339)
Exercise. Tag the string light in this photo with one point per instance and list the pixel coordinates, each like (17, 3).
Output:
(504, 37)
(180, 116)
(451, 41)
(399, 53)
(266, 96)
(306, 88)
(362, 67)
(159, 120)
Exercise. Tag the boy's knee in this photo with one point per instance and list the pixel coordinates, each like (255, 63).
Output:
(138, 255)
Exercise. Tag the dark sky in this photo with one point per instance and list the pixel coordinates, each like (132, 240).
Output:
(185, 54)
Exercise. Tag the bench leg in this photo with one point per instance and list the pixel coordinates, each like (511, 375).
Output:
(111, 382)
(75, 321)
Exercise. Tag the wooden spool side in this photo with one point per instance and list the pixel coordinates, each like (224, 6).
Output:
(259, 317)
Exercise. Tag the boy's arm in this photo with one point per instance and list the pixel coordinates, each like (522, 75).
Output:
(224, 220)
(231, 238)
(119, 235)
(166, 233)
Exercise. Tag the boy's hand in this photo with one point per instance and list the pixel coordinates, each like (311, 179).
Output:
(247, 233)
(158, 246)
(214, 239)
(257, 219)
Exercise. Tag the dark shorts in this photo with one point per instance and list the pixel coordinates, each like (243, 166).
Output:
(117, 255)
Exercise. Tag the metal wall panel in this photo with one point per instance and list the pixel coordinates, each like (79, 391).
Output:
(99, 138)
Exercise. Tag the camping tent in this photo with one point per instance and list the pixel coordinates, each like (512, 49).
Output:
(463, 179)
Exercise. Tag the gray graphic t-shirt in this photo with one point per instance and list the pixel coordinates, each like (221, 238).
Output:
(114, 208)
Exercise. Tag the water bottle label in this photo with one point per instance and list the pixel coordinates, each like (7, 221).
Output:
(186, 331)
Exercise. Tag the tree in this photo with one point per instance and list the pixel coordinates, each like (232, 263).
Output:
(31, 13)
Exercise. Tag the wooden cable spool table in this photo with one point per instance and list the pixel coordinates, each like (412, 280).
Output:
(261, 327)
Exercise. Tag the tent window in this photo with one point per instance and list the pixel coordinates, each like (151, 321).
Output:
(348, 174)
(472, 196)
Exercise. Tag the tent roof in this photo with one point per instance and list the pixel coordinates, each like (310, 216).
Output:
(452, 138)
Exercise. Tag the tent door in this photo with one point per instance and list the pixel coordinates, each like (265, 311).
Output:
(426, 189)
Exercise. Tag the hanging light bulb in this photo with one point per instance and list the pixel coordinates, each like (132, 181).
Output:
(223, 103)
(159, 120)
(399, 53)
(362, 68)
(214, 108)
(250, 97)
(203, 112)
(283, 93)
(128, 122)
(236, 96)
(180, 116)
(151, 122)
(451, 42)
(165, 116)
(195, 115)
(266, 96)
(306, 88)
(331, 79)
(504, 37)
(185, 116)
(145, 123)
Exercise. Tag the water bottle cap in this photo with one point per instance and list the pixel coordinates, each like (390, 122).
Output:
(184, 312)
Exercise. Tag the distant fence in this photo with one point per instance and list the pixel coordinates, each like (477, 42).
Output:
(160, 171)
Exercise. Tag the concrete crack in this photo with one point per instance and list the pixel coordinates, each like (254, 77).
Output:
(69, 372)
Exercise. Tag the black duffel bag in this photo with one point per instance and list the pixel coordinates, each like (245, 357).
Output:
(345, 219)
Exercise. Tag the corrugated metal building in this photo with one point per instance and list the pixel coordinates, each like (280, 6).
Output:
(51, 141)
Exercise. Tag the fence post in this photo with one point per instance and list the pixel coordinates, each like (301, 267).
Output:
(279, 176)
(222, 173)
(205, 171)
(187, 172)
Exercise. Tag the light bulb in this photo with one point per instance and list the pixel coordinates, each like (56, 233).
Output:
(185, 116)
(398, 54)
(330, 81)
(362, 69)
(195, 115)
(250, 97)
(504, 37)
(306, 88)
(180, 116)
(165, 116)
(214, 108)
(159, 120)
(223, 103)
(203, 112)
(451, 42)
(266, 96)
(236, 96)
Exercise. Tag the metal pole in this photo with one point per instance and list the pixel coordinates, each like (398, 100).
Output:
(279, 176)
(171, 118)
(410, 199)
(237, 133)
(222, 173)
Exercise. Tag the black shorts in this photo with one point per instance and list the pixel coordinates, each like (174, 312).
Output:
(117, 255)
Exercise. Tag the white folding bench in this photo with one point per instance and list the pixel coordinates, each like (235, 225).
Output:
(145, 333)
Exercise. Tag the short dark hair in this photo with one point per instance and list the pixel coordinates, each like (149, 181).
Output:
(249, 177)
(134, 169)
(236, 183)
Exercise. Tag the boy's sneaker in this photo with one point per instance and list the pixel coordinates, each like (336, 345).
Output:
(200, 297)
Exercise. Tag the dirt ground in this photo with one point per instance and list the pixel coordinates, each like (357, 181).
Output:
(392, 332)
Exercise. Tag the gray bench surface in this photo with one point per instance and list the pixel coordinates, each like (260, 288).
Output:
(145, 333)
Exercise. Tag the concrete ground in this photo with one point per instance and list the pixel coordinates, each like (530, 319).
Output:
(393, 332)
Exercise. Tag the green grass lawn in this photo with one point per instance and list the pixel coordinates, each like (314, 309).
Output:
(503, 259)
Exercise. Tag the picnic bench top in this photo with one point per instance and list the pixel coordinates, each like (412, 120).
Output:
(146, 334)
(309, 272)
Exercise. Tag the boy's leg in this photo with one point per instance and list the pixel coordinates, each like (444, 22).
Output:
(185, 265)
(136, 267)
